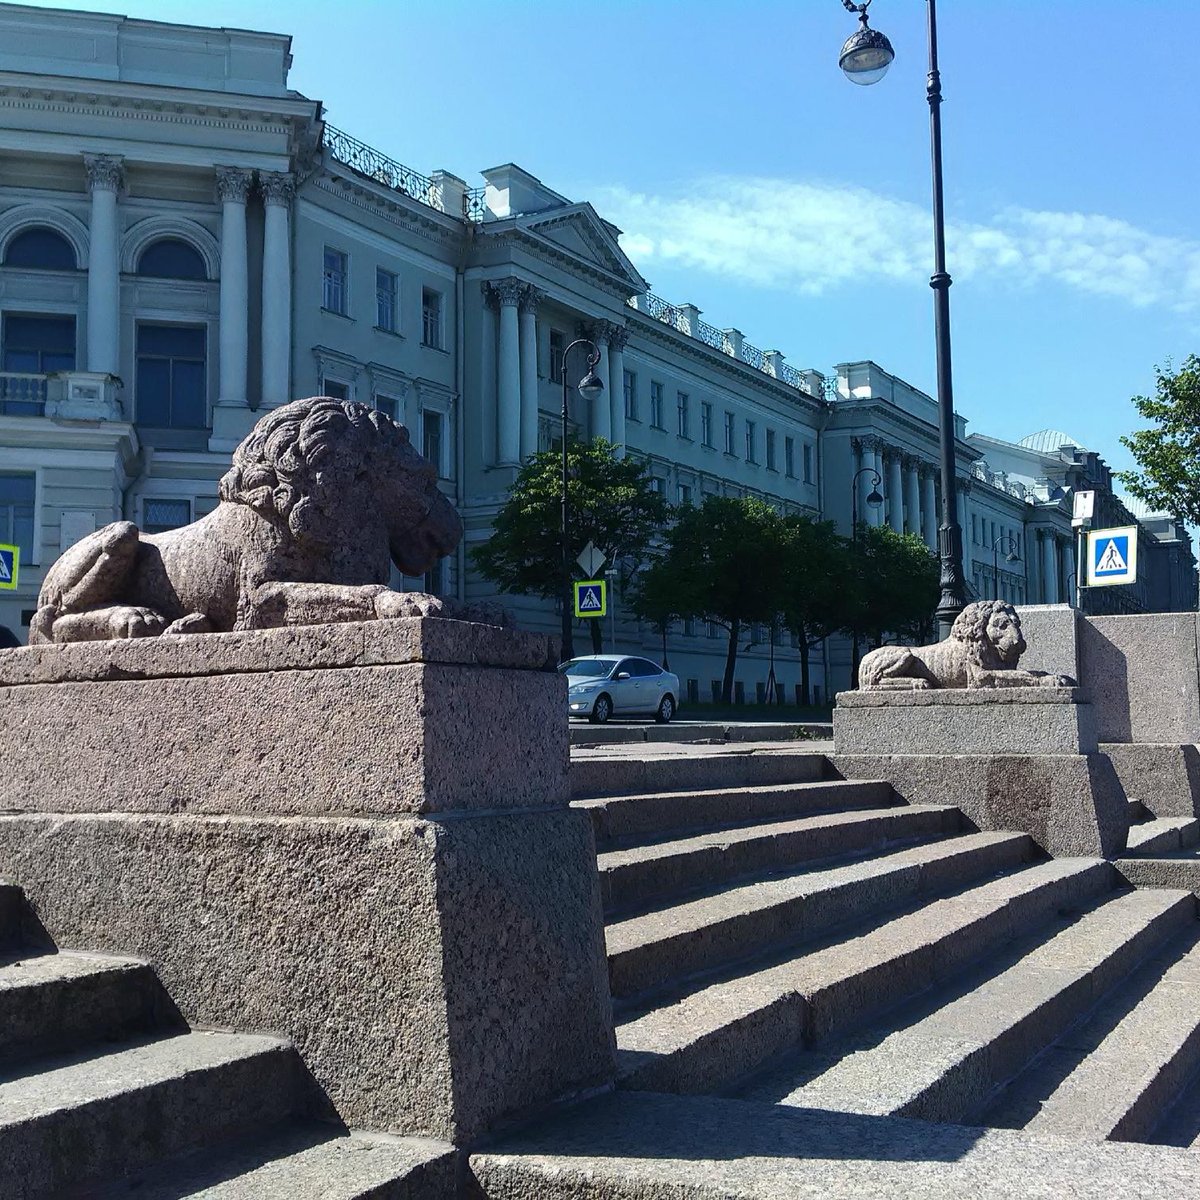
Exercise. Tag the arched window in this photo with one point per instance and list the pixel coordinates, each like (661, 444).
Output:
(171, 258)
(41, 249)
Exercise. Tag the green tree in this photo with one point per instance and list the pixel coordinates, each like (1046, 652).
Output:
(892, 586)
(1168, 454)
(817, 567)
(656, 599)
(724, 562)
(611, 504)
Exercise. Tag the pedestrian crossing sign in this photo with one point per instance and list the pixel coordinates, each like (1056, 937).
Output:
(10, 565)
(1112, 556)
(591, 597)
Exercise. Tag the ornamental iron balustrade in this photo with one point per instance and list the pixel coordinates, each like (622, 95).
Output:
(372, 163)
(474, 208)
(22, 395)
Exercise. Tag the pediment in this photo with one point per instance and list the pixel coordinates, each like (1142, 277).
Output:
(579, 232)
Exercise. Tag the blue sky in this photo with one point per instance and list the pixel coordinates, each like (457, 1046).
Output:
(753, 180)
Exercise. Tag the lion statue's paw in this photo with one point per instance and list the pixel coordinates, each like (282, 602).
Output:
(389, 605)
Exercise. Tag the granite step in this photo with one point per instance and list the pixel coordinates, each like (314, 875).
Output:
(618, 819)
(300, 1161)
(721, 1032)
(650, 950)
(642, 874)
(1163, 835)
(53, 1002)
(948, 1065)
(96, 1116)
(617, 775)
(1116, 1073)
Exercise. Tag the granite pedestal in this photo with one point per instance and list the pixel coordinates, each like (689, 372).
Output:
(1012, 758)
(354, 835)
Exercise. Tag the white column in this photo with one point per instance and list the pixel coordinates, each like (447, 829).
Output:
(1049, 568)
(278, 193)
(912, 497)
(487, 372)
(1066, 565)
(508, 358)
(895, 492)
(875, 514)
(929, 512)
(616, 393)
(529, 373)
(600, 418)
(233, 185)
(104, 178)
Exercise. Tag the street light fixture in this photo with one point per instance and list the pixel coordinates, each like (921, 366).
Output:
(1012, 556)
(865, 57)
(590, 386)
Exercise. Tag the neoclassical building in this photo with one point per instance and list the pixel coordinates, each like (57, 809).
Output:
(185, 243)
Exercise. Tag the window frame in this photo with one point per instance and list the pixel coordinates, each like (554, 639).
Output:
(629, 387)
(145, 526)
(751, 447)
(706, 423)
(683, 414)
(339, 279)
(789, 457)
(392, 325)
(36, 229)
(657, 392)
(139, 356)
(557, 351)
(806, 455)
(771, 450)
(440, 465)
(730, 431)
(8, 531)
(439, 311)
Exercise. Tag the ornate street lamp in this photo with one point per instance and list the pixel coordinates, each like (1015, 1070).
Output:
(590, 386)
(875, 500)
(1012, 557)
(865, 58)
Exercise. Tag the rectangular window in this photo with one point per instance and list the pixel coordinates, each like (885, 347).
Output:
(683, 494)
(771, 450)
(975, 528)
(656, 404)
(689, 626)
(335, 388)
(434, 580)
(170, 380)
(431, 318)
(808, 462)
(386, 405)
(750, 447)
(789, 457)
(558, 343)
(33, 346)
(713, 629)
(387, 300)
(160, 515)
(730, 432)
(431, 438)
(631, 405)
(657, 485)
(706, 432)
(16, 512)
(335, 296)
(681, 408)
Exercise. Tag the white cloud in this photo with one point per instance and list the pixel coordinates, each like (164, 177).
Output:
(813, 238)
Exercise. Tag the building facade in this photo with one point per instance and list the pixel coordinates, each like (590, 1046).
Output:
(185, 243)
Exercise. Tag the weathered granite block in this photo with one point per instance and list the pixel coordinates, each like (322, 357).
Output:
(1070, 804)
(1165, 778)
(383, 717)
(1052, 637)
(960, 721)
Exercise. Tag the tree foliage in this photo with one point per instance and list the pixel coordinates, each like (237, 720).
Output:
(1168, 454)
(892, 587)
(611, 504)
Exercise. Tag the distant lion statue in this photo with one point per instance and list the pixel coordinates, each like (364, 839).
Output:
(322, 498)
(982, 651)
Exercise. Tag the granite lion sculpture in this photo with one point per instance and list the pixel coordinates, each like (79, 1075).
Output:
(322, 498)
(982, 651)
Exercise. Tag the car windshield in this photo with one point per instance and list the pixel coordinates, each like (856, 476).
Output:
(587, 668)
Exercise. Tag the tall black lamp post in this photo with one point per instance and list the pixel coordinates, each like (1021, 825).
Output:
(875, 500)
(865, 58)
(1012, 556)
(590, 386)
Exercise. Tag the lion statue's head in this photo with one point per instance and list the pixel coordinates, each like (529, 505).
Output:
(323, 470)
(991, 633)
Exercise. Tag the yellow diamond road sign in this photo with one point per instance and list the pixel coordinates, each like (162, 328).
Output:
(591, 597)
(10, 565)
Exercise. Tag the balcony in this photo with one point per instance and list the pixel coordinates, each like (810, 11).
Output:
(61, 395)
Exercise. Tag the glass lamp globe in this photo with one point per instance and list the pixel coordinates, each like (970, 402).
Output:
(866, 56)
(590, 386)
(874, 499)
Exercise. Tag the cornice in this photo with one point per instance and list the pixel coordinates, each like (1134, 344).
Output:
(549, 251)
(445, 231)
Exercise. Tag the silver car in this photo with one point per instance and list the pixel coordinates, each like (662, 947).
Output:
(619, 685)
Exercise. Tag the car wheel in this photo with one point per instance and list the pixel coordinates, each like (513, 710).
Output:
(601, 710)
(666, 709)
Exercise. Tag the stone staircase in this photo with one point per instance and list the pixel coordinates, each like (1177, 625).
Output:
(1151, 836)
(781, 938)
(105, 1091)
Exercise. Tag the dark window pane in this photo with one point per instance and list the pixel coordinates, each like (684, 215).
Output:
(188, 409)
(40, 333)
(172, 258)
(386, 404)
(338, 391)
(16, 489)
(41, 249)
(160, 515)
(154, 391)
(24, 362)
(174, 341)
(57, 362)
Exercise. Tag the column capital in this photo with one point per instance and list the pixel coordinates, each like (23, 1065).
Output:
(599, 331)
(530, 298)
(278, 187)
(618, 337)
(508, 292)
(104, 172)
(233, 183)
